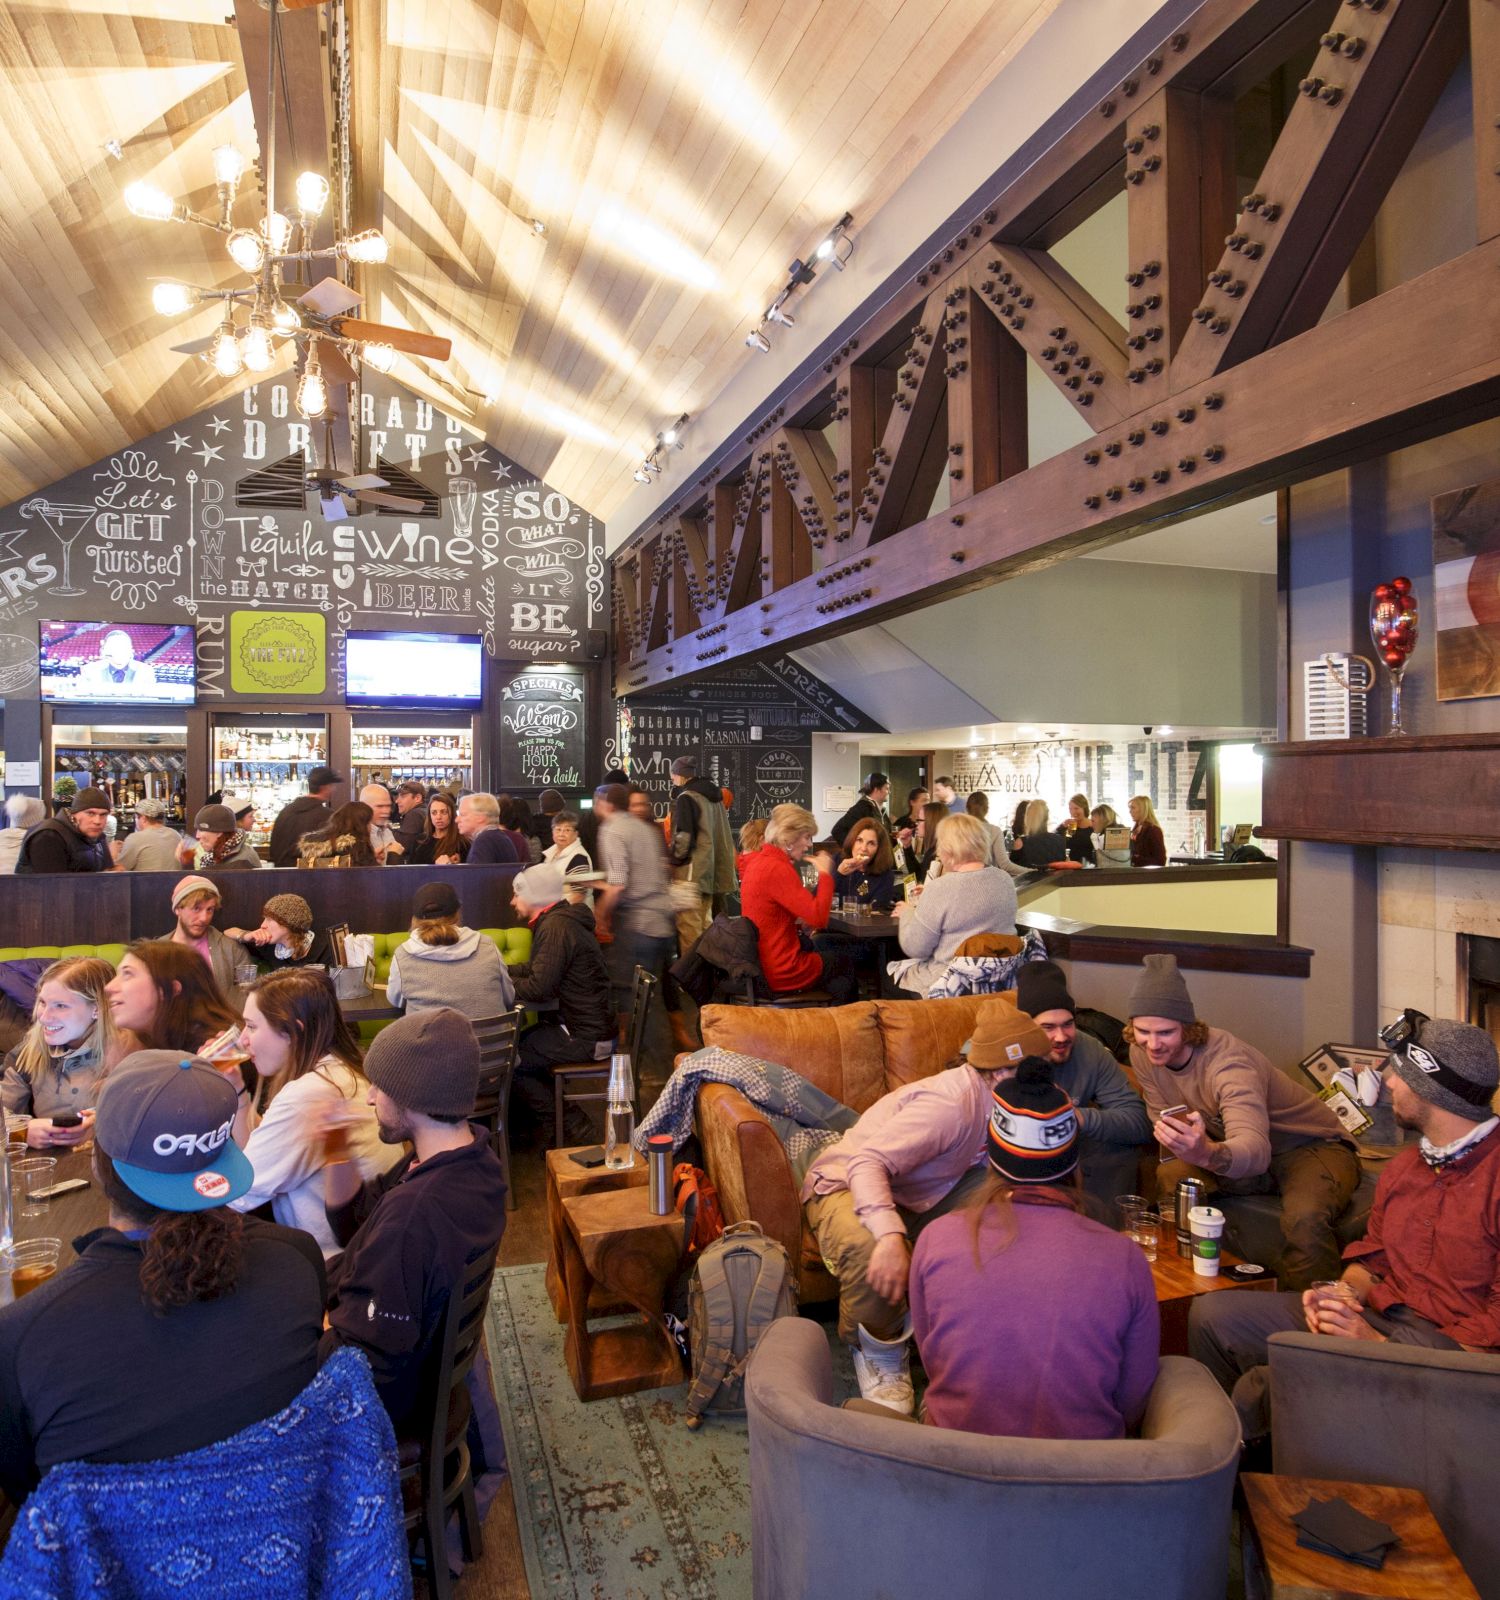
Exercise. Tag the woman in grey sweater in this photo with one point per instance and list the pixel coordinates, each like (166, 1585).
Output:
(446, 964)
(969, 898)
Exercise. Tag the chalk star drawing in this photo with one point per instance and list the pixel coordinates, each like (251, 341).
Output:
(209, 452)
(180, 441)
(475, 458)
(219, 425)
(501, 471)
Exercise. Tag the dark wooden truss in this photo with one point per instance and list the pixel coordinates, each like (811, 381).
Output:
(1222, 382)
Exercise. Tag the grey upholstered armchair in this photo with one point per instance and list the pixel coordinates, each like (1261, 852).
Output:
(1397, 1414)
(859, 1507)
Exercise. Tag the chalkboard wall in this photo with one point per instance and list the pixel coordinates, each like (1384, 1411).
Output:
(750, 728)
(161, 533)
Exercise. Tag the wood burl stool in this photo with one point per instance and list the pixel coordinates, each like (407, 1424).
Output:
(613, 1246)
(1422, 1567)
(565, 1179)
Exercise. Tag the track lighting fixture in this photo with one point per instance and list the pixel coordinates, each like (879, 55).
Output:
(835, 248)
(756, 340)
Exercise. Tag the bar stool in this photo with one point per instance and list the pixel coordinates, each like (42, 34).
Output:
(593, 1076)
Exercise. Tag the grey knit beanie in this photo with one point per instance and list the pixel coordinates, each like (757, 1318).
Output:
(1456, 1051)
(427, 1062)
(1160, 992)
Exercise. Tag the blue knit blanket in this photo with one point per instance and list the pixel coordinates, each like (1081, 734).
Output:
(802, 1117)
(306, 1503)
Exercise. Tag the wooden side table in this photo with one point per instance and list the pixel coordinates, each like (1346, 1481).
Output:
(565, 1179)
(1421, 1567)
(1177, 1286)
(613, 1243)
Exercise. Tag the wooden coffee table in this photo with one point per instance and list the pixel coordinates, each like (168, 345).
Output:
(1421, 1567)
(565, 1178)
(612, 1243)
(1177, 1286)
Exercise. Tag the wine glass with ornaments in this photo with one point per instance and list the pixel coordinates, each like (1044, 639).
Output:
(1393, 628)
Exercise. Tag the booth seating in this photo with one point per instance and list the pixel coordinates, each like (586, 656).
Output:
(1353, 1411)
(843, 1503)
(514, 945)
(1252, 1222)
(856, 1053)
(53, 952)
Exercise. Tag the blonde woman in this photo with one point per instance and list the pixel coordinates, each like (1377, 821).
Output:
(1148, 847)
(970, 897)
(71, 1044)
(775, 900)
(1038, 846)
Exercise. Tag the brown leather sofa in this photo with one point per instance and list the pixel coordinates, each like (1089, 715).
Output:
(855, 1053)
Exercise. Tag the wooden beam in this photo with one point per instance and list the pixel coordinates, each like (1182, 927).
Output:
(1179, 188)
(804, 461)
(896, 460)
(741, 575)
(1062, 327)
(1374, 83)
(1383, 375)
(656, 575)
(1484, 58)
(987, 432)
(696, 571)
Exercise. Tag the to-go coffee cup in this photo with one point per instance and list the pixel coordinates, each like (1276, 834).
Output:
(1207, 1226)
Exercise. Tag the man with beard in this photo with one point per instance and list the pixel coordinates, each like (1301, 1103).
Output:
(410, 1235)
(1427, 1271)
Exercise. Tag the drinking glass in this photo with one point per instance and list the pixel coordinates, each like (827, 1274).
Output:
(30, 1264)
(1331, 1289)
(1127, 1205)
(1146, 1231)
(29, 1175)
(16, 1123)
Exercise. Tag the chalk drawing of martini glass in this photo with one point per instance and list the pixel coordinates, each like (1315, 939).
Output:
(462, 493)
(64, 523)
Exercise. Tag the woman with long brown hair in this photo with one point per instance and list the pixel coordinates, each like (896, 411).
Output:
(1071, 1333)
(310, 1070)
(165, 995)
(343, 842)
(181, 1323)
(441, 844)
(61, 1062)
(924, 846)
(867, 872)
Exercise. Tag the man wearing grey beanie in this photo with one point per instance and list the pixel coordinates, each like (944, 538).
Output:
(410, 1234)
(1427, 1271)
(1246, 1129)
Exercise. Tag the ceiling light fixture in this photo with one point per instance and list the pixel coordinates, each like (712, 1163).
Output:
(668, 439)
(538, 227)
(835, 248)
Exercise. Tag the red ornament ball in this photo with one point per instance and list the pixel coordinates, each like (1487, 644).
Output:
(1401, 585)
(1383, 591)
(1394, 657)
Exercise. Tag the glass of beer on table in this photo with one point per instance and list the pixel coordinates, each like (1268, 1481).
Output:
(30, 1263)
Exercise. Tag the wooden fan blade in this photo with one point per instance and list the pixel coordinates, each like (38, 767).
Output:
(196, 347)
(330, 298)
(391, 502)
(365, 480)
(300, 5)
(403, 339)
(336, 368)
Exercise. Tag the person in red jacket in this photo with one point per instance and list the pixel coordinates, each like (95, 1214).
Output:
(773, 898)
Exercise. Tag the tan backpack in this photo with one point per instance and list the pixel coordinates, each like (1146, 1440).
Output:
(741, 1284)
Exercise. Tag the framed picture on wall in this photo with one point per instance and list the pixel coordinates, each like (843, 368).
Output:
(1466, 584)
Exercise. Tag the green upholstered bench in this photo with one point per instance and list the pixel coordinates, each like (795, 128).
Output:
(53, 952)
(514, 945)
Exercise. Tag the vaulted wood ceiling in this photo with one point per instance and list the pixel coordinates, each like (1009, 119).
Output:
(680, 153)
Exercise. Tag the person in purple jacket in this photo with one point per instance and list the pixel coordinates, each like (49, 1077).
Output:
(1032, 1321)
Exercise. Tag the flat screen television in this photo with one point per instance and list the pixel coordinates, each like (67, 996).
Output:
(118, 663)
(392, 668)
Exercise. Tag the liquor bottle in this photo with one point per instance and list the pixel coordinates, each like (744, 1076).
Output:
(619, 1118)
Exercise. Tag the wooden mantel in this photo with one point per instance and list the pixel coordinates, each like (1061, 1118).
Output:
(1435, 792)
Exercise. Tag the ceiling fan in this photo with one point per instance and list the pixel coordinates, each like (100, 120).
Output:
(344, 497)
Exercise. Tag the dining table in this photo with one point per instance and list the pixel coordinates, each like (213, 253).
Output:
(66, 1218)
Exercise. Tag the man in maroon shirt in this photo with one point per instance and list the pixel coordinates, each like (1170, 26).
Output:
(1428, 1270)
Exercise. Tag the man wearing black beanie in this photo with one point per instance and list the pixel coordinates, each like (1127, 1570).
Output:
(1112, 1120)
(410, 1234)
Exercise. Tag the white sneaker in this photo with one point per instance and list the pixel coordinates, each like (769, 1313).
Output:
(883, 1369)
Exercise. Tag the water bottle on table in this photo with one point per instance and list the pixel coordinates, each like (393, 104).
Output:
(619, 1116)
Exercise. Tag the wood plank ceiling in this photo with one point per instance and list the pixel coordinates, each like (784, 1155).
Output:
(85, 364)
(679, 153)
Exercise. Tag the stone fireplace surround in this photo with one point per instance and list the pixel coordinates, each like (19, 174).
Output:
(1429, 900)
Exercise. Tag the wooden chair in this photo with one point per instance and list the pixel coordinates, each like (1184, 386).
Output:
(437, 1462)
(594, 1075)
(497, 1037)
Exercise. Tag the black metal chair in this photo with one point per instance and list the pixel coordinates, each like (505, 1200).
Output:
(498, 1037)
(594, 1075)
(437, 1463)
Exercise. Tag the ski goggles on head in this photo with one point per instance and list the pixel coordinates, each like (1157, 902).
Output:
(1404, 1029)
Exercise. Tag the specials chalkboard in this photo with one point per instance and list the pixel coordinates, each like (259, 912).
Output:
(542, 727)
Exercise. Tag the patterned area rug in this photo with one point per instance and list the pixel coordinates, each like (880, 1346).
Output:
(617, 1499)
